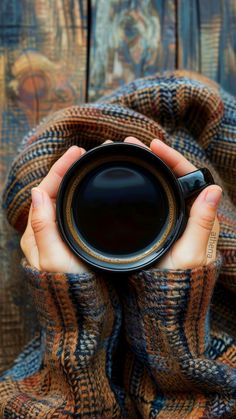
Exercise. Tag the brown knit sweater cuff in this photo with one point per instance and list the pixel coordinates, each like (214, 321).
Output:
(168, 300)
(60, 298)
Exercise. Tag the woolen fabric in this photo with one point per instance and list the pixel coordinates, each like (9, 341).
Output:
(163, 342)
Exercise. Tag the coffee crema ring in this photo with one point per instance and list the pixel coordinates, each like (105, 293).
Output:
(78, 178)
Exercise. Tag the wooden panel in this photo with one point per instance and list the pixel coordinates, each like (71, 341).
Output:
(130, 39)
(133, 38)
(189, 48)
(227, 56)
(207, 39)
(43, 52)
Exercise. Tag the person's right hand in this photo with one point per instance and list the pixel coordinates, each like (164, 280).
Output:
(41, 242)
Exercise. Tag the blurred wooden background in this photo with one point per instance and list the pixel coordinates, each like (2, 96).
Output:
(55, 53)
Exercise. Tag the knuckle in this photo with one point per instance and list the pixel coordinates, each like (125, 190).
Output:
(206, 222)
(38, 225)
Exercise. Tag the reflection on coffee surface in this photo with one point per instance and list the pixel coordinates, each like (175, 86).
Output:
(120, 209)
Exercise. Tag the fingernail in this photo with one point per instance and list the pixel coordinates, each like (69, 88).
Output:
(37, 197)
(74, 148)
(213, 197)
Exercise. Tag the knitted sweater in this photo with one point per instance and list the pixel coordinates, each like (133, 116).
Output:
(152, 344)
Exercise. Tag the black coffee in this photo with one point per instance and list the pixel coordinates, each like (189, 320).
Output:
(119, 209)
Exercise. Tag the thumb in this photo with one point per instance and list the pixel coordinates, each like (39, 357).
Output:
(43, 223)
(195, 239)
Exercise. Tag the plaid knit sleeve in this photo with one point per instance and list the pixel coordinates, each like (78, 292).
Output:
(80, 317)
(169, 370)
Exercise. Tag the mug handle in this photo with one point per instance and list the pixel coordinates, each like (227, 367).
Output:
(195, 182)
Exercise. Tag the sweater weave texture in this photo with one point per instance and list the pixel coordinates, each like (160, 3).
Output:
(157, 343)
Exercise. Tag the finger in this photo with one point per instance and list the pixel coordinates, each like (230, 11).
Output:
(30, 250)
(134, 140)
(195, 239)
(175, 160)
(43, 222)
(107, 142)
(51, 182)
(28, 230)
(28, 243)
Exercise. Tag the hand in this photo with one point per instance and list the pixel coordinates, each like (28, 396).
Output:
(41, 242)
(197, 245)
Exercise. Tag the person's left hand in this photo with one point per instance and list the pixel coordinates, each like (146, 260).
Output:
(197, 245)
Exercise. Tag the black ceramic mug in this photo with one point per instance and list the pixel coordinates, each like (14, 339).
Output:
(120, 207)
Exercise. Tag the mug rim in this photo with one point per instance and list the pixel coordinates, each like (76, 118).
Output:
(179, 223)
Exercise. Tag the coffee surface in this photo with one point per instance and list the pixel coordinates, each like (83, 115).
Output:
(120, 209)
